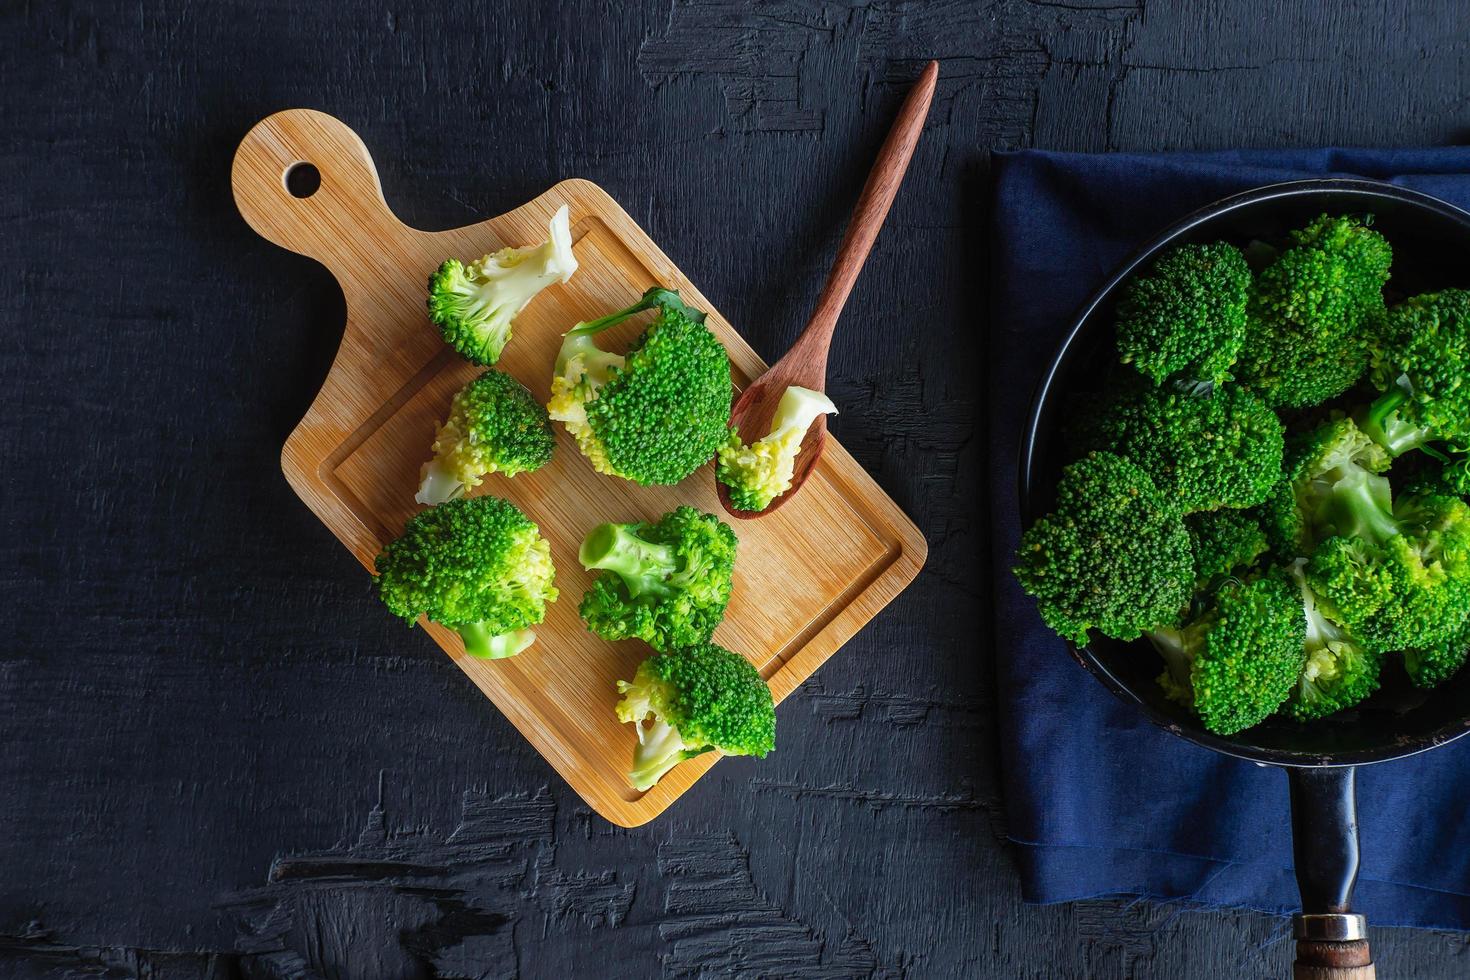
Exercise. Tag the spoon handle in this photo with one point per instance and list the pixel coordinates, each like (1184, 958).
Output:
(867, 217)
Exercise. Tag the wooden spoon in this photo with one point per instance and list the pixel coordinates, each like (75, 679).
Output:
(805, 364)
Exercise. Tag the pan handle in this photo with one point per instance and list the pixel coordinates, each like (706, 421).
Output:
(1331, 942)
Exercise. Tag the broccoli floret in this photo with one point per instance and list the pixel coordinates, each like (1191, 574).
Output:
(1223, 541)
(581, 369)
(1421, 367)
(476, 565)
(1203, 452)
(1313, 312)
(1339, 670)
(1454, 477)
(1282, 522)
(475, 304)
(1113, 555)
(1433, 665)
(1333, 487)
(757, 474)
(495, 426)
(1402, 582)
(1186, 315)
(1236, 663)
(1449, 477)
(658, 413)
(666, 583)
(699, 697)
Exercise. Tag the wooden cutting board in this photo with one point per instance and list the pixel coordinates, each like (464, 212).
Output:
(806, 578)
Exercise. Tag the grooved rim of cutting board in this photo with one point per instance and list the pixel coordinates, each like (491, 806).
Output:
(354, 457)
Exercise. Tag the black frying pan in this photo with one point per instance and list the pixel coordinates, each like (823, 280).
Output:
(1431, 242)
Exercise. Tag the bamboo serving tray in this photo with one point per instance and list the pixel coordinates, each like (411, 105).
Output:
(806, 579)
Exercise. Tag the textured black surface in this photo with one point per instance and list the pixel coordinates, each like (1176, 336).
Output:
(224, 759)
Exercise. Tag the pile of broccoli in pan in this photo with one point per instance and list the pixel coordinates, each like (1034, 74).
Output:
(1272, 486)
(653, 414)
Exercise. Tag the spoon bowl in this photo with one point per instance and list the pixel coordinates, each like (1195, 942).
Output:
(805, 364)
(752, 412)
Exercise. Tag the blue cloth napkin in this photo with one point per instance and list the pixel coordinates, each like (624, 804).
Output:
(1100, 801)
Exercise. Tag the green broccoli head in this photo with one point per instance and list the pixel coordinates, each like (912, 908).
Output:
(476, 565)
(1223, 542)
(1432, 665)
(1313, 312)
(1203, 452)
(1420, 366)
(495, 425)
(699, 698)
(1236, 663)
(1282, 521)
(656, 414)
(1405, 585)
(666, 584)
(1113, 555)
(756, 474)
(1185, 316)
(1339, 670)
(474, 305)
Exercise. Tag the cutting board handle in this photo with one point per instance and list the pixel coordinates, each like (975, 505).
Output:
(342, 219)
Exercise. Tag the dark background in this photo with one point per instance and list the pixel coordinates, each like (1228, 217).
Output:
(222, 758)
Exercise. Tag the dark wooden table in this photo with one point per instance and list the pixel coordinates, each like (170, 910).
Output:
(223, 759)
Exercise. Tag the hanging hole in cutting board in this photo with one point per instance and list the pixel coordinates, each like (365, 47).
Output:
(302, 179)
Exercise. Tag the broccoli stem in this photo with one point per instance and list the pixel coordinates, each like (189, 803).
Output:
(643, 566)
(798, 409)
(660, 748)
(1360, 506)
(655, 296)
(1178, 648)
(597, 364)
(438, 484)
(480, 642)
(1385, 426)
(1321, 631)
